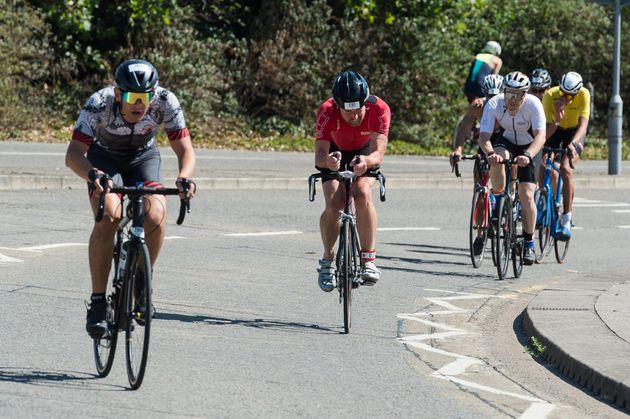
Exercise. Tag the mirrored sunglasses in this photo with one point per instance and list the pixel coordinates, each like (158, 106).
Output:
(513, 96)
(133, 97)
(569, 96)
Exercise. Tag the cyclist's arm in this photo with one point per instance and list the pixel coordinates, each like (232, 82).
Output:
(485, 144)
(580, 133)
(185, 156)
(498, 63)
(474, 112)
(76, 160)
(322, 150)
(378, 144)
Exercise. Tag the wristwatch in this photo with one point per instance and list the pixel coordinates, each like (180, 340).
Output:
(92, 175)
(529, 156)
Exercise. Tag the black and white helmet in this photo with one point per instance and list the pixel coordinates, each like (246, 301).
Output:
(492, 85)
(571, 83)
(517, 80)
(541, 78)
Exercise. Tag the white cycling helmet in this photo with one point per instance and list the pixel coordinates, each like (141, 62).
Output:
(492, 85)
(517, 80)
(571, 83)
(541, 78)
(492, 47)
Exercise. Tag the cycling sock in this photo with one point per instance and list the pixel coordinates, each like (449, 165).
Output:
(98, 297)
(368, 255)
(566, 218)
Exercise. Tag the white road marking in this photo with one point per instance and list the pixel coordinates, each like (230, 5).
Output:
(42, 247)
(408, 229)
(624, 227)
(538, 409)
(263, 233)
(621, 211)
(9, 259)
(173, 237)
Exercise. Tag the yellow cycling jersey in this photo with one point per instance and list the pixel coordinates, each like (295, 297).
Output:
(579, 106)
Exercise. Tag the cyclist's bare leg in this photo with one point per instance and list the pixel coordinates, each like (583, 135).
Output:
(101, 241)
(329, 220)
(528, 205)
(366, 213)
(497, 173)
(567, 182)
(154, 224)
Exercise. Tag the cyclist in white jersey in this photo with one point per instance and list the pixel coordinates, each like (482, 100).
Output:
(522, 117)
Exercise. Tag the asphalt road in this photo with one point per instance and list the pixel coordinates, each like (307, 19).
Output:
(244, 331)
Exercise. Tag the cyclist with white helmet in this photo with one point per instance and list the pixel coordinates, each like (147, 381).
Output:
(541, 82)
(522, 118)
(352, 129)
(492, 86)
(567, 108)
(485, 63)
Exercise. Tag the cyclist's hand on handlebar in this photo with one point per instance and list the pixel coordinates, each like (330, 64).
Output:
(359, 166)
(522, 161)
(455, 158)
(187, 187)
(333, 160)
(100, 181)
(495, 159)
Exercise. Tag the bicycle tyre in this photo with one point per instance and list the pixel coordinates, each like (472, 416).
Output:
(544, 225)
(517, 239)
(502, 236)
(478, 208)
(347, 277)
(105, 346)
(138, 326)
(561, 247)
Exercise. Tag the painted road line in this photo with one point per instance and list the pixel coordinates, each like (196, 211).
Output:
(624, 227)
(621, 211)
(42, 247)
(9, 259)
(263, 233)
(408, 229)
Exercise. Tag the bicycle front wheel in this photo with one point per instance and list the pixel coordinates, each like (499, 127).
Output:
(346, 276)
(517, 238)
(139, 313)
(478, 230)
(502, 237)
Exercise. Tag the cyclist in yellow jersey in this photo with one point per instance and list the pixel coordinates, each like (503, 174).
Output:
(567, 110)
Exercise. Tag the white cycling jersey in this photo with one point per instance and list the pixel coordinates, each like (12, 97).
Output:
(516, 128)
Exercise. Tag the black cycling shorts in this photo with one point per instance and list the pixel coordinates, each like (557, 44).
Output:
(346, 158)
(129, 169)
(561, 138)
(524, 174)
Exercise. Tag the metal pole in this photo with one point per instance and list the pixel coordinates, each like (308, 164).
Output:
(615, 107)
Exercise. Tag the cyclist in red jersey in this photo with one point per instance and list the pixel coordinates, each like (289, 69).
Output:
(351, 132)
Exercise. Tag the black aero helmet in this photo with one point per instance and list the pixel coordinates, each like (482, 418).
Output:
(350, 90)
(136, 76)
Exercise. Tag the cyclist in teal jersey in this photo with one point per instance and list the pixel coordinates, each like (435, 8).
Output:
(485, 63)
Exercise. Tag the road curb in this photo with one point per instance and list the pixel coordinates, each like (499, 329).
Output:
(13, 182)
(564, 319)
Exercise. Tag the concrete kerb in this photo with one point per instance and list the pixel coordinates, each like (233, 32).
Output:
(12, 182)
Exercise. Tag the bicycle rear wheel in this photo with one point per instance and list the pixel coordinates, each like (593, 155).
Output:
(346, 276)
(517, 238)
(543, 225)
(105, 346)
(478, 226)
(139, 310)
(561, 247)
(502, 237)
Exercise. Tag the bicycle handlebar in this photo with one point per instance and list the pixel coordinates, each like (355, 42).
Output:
(466, 157)
(560, 150)
(346, 174)
(184, 206)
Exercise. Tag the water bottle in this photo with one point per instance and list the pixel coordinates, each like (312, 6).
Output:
(493, 202)
(122, 258)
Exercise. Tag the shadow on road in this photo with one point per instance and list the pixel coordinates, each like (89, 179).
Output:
(433, 249)
(45, 378)
(255, 323)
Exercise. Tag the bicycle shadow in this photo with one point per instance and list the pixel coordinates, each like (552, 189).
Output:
(440, 250)
(60, 379)
(257, 323)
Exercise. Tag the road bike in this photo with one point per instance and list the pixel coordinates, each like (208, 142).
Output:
(129, 305)
(549, 206)
(348, 258)
(481, 209)
(508, 231)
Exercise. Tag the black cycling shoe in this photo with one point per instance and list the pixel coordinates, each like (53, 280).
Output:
(96, 319)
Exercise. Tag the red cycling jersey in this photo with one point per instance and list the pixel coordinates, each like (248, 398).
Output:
(331, 126)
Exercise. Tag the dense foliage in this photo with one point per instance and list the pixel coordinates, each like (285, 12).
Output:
(256, 71)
